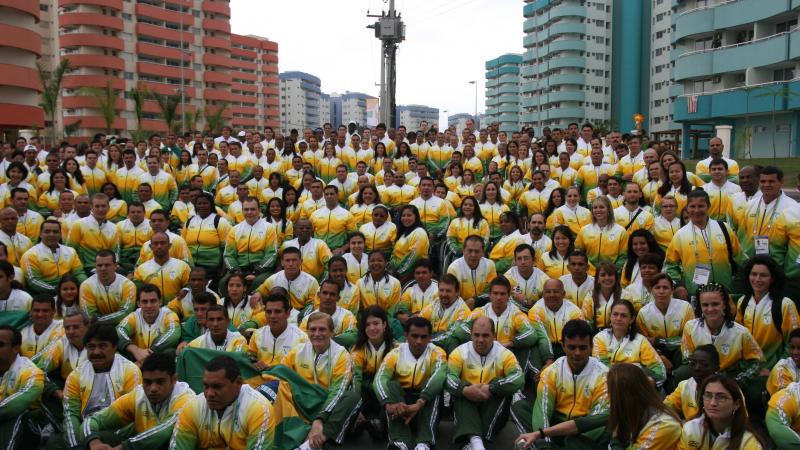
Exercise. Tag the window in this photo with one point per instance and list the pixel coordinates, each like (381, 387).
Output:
(702, 44)
(744, 36)
(783, 74)
(784, 27)
(42, 7)
(128, 75)
(126, 16)
(702, 85)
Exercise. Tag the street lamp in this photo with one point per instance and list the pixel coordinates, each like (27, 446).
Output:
(475, 82)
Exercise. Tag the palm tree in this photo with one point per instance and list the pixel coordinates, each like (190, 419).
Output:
(192, 119)
(169, 108)
(106, 98)
(51, 91)
(139, 95)
(215, 119)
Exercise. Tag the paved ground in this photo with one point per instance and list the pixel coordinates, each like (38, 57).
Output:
(504, 439)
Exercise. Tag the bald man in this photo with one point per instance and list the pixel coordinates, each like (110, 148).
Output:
(16, 243)
(552, 312)
(715, 150)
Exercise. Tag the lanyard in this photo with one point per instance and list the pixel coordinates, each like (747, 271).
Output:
(757, 231)
(706, 239)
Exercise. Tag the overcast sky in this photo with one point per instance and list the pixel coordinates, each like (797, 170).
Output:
(447, 44)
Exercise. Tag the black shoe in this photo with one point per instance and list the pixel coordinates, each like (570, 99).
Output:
(376, 429)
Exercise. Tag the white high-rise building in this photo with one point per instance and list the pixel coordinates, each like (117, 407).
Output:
(411, 116)
(301, 101)
(354, 107)
(502, 92)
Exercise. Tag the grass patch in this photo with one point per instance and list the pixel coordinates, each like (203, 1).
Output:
(790, 167)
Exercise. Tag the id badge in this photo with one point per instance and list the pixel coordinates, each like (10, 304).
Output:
(702, 273)
(762, 245)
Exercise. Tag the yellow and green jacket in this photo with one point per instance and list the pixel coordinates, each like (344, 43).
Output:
(111, 303)
(598, 316)
(502, 253)
(589, 175)
(60, 356)
(689, 248)
(234, 342)
(531, 288)
(554, 321)
(206, 238)
(439, 156)
(491, 212)
(413, 299)
(243, 316)
(344, 326)
(498, 368)
(42, 268)
(251, 247)
(349, 298)
(425, 374)
(127, 182)
(664, 230)
(409, 249)
(361, 213)
(88, 237)
(21, 386)
(553, 266)
(609, 243)
(18, 300)
(696, 436)
(562, 395)
(33, 344)
(683, 400)
(637, 351)
(315, 254)
(332, 225)
(757, 318)
(123, 378)
(785, 242)
(164, 333)
(783, 417)
(628, 165)
(331, 370)
(446, 321)
(381, 238)
(782, 374)
(165, 189)
(153, 428)
(668, 327)
(721, 203)
(701, 169)
(739, 353)
(758, 219)
(435, 215)
(396, 196)
(132, 238)
(366, 362)
(356, 269)
(511, 326)
(575, 219)
(170, 278)
(177, 249)
(248, 423)
(533, 201)
(302, 289)
(639, 219)
(271, 350)
(473, 282)
(30, 224)
(94, 179)
(384, 292)
(577, 294)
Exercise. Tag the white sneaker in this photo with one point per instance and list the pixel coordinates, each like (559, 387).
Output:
(467, 447)
(305, 446)
(476, 443)
(422, 447)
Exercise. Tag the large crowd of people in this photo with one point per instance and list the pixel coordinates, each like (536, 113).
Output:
(258, 290)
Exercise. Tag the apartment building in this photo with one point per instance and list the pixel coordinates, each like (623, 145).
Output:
(502, 91)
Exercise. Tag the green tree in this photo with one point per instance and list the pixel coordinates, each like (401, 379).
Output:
(106, 98)
(139, 95)
(192, 119)
(215, 119)
(51, 91)
(168, 104)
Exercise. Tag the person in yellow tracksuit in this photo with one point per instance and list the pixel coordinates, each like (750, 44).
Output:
(302, 287)
(152, 412)
(107, 295)
(469, 223)
(492, 209)
(603, 240)
(446, 313)
(684, 400)
(502, 253)
(786, 370)
(218, 335)
(380, 234)
(483, 365)
(410, 379)
(412, 245)
(165, 189)
(239, 417)
(134, 231)
(378, 287)
(783, 417)
(252, 245)
(720, 190)
(344, 321)
(571, 213)
(315, 252)
(92, 234)
(152, 328)
(45, 263)
(553, 312)
(270, 343)
(169, 274)
(21, 388)
(331, 222)
(205, 233)
(535, 199)
(421, 292)
(473, 272)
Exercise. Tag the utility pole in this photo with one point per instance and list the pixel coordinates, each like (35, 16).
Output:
(475, 117)
(391, 30)
(183, 80)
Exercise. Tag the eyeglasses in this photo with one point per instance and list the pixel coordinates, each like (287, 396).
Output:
(719, 397)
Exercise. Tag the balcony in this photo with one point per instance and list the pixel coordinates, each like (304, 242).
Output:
(565, 96)
(740, 102)
(217, 77)
(79, 81)
(693, 64)
(93, 19)
(167, 15)
(101, 61)
(217, 25)
(727, 15)
(563, 113)
(163, 70)
(577, 45)
(20, 38)
(158, 32)
(216, 42)
(162, 51)
(216, 60)
(733, 58)
(112, 4)
(82, 101)
(91, 40)
(567, 78)
(19, 77)
(222, 8)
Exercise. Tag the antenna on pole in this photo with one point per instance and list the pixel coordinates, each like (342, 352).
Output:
(391, 30)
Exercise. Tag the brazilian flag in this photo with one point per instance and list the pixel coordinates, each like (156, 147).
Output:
(17, 319)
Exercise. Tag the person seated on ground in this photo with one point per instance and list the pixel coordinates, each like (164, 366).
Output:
(325, 367)
(419, 293)
(662, 320)
(573, 386)
(378, 287)
(43, 328)
(12, 295)
(331, 222)
(228, 414)
(683, 400)
(169, 274)
(315, 253)
(151, 408)
(786, 370)
(512, 329)
(446, 313)
(578, 284)
(94, 384)
(739, 353)
(270, 343)
(635, 413)
(106, 296)
(502, 253)
(344, 322)
(349, 296)
(182, 303)
(159, 222)
(357, 265)
(218, 335)
(413, 243)
(482, 375)
(152, 328)
(92, 234)
(553, 312)
(527, 280)
(246, 314)
(622, 343)
(301, 286)
(195, 325)
(474, 272)
(45, 263)
(470, 222)
(59, 359)
(724, 422)
(783, 417)
(408, 385)
(23, 384)
(375, 341)
(251, 246)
